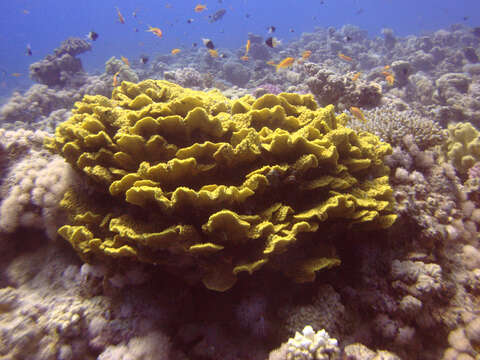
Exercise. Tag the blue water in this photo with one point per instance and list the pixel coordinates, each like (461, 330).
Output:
(45, 24)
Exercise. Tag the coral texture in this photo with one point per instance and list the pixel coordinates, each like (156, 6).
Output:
(61, 68)
(331, 88)
(463, 146)
(392, 125)
(33, 187)
(195, 181)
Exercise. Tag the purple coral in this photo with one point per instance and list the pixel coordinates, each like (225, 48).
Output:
(271, 88)
(474, 171)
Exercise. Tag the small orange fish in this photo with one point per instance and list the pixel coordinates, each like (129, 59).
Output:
(344, 57)
(155, 31)
(358, 114)
(386, 67)
(115, 79)
(213, 53)
(16, 74)
(244, 58)
(306, 54)
(120, 17)
(125, 60)
(386, 73)
(200, 8)
(288, 61)
(175, 51)
(356, 76)
(247, 47)
(390, 79)
(271, 62)
(26, 12)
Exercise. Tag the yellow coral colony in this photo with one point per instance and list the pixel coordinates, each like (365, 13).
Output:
(463, 146)
(211, 187)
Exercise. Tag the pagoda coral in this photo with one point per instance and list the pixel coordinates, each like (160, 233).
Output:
(210, 187)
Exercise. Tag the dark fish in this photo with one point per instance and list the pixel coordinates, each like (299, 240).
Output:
(476, 31)
(28, 50)
(465, 18)
(136, 30)
(217, 15)
(194, 45)
(208, 43)
(272, 42)
(223, 56)
(271, 29)
(291, 30)
(4, 72)
(143, 59)
(92, 35)
(189, 21)
(348, 38)
(247, 15)
(359, 11)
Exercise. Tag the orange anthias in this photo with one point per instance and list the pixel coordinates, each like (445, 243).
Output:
(155, 31)
(358, 114)
(200, 8)
(288, 61)
(306, 54)
(344, 57)
(120, 17)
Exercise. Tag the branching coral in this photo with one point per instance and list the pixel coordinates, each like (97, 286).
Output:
(392, 125)
(203, 184)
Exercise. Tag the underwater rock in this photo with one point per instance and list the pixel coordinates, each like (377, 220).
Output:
(471, 54)
(332, 88)
(236, 73)
(72, 46)
(389, 38)
(63, 68)
(187, 77)
(402, 70)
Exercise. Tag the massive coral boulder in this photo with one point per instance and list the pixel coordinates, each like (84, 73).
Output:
(211, 188)
(63, 68)
(342, 91)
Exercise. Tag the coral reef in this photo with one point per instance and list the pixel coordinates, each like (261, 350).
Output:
(59, 311)
(308, 345)
(33, 185)
(186, 77)
(116, 66)
(463, 146)
(62, 68)
(412, 289)
(38, 101)
(267, 89)
(391, 125)
(220, 164)
(236, 73)
(331, 88)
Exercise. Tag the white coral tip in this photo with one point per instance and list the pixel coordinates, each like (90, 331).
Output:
(308, 331)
